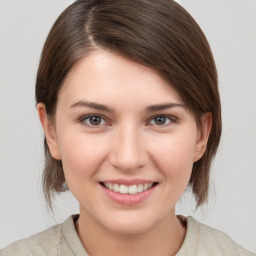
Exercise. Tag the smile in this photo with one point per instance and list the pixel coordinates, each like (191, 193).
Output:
(124, 189)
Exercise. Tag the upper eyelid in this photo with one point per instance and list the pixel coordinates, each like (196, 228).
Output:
(172, 117)
(83, 117)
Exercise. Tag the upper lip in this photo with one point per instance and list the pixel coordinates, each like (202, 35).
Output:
(128, 182)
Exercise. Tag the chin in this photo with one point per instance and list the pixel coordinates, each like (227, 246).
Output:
(130, 224)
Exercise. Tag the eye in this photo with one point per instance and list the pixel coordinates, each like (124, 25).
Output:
(93, 120)
(161, 120)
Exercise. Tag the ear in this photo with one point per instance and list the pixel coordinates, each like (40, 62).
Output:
(203, 135)
(49, 130)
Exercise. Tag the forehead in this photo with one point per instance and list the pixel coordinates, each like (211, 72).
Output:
(105, 76)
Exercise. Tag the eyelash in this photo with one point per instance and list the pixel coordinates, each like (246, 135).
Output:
(83, 119)
(87, 117)
(172, 119)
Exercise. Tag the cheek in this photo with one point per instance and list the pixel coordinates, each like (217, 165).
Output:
(81, 156)
(174, 157)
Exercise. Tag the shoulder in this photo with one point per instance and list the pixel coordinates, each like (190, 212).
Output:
(209, 241)
(43, 243)
(218, 240)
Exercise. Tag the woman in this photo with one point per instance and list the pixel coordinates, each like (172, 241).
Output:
(127, 95)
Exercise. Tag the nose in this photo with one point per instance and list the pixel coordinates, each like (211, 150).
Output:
(128, 150)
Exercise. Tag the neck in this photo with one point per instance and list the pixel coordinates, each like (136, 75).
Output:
(164, 239)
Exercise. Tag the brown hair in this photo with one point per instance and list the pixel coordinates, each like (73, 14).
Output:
(159, 34)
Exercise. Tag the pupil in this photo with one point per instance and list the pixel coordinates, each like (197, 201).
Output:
(95, 120)
(160, 120)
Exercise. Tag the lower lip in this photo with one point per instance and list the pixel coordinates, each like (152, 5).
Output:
(128, 199)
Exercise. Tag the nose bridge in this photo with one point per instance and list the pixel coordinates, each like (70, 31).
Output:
(128, 152)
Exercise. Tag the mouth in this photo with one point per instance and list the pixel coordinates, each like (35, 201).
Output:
(128, 189)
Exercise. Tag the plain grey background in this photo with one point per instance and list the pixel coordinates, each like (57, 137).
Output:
(230, 26)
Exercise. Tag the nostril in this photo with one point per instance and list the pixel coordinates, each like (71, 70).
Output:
(128, 151)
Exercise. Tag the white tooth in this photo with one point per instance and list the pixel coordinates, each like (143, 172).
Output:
(124, 189)
(133, 189)
(140, 188)
(145, 186)
(116, 187)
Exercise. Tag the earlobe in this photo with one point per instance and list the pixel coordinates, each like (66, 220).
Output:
(49, 130)
(203, 135)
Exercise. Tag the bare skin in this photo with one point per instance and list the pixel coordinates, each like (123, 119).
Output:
(129, 245)
(118, 122)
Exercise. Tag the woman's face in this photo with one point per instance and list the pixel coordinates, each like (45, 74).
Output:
(126, 140)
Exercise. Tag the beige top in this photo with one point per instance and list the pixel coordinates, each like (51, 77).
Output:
(62, 240)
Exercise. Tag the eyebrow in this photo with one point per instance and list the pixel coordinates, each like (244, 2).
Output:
(159, 107)
(93, 105)
(101, 107)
